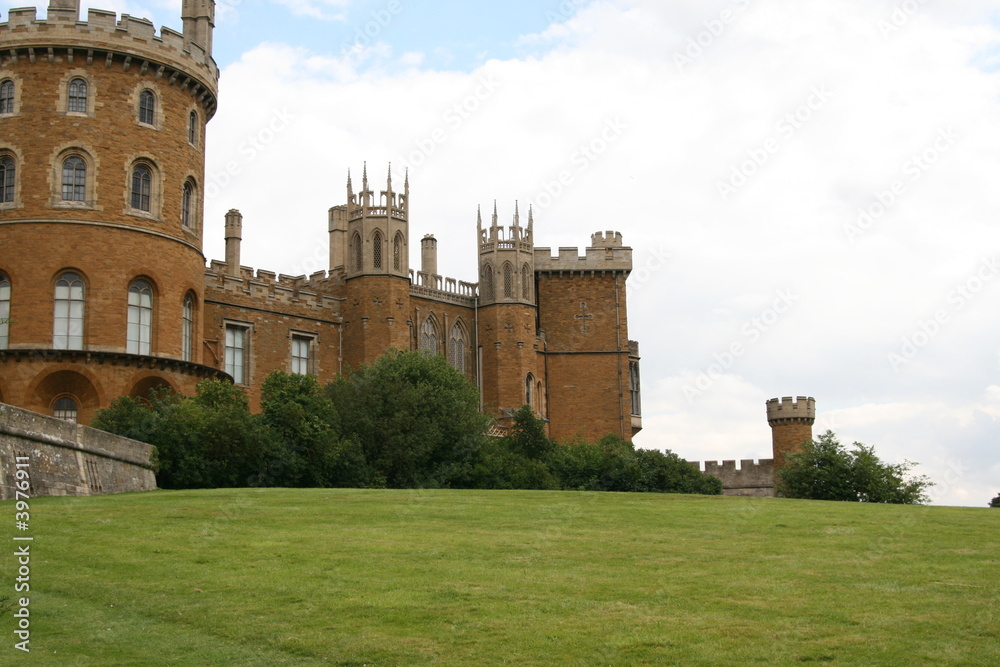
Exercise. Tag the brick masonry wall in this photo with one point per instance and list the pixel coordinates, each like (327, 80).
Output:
(787, 438)
(69, 460)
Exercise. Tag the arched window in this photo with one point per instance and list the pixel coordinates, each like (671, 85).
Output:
(456, 348)
(140, 318)
(147, 107)
(397, 252)
(193, 128)
(529, 391)
(187, 328)
(187, 205)
(377, 250)
(142, 187)
(488, 282)
(7, 96)
(7, 174)
(77, 99)
(65, 408)
(74, 179)
(508, 281)
(429, 336)
(525, 282)
(4, 311)
(67, 329)
(356, 251)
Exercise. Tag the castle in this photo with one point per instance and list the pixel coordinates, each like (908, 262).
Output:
(104, 289)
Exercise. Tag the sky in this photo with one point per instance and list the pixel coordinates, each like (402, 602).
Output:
(809, 187)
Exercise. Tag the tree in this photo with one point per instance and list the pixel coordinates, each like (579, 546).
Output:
(826, 470)
(415, 417)
(996, 501)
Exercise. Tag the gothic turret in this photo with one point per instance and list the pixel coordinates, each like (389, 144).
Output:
(506, 261)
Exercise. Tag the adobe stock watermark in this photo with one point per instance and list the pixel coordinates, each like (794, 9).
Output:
(585, 155)
(366, 33)
(913, 169)
(714, 29)
(248, 149)
(899, 17)
(565, 10)
(928, 328)
(454, 117)
(652, 263)
(750, 332)
(786, 127)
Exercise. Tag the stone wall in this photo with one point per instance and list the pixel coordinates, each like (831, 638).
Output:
(751, 479)
(66, 459)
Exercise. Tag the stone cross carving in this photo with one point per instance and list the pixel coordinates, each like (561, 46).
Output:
(509, 327)
(583, 316)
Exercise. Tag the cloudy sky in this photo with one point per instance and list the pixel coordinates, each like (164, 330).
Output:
(809, 187)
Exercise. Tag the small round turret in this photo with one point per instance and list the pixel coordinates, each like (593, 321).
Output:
(791, 423)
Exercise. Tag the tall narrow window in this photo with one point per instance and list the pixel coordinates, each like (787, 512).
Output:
(67, 330)
(65, 408)
(4, 311)
(377, 250)
(187, 328)
(77, 100)
(142, 185)
(633, 383)
(428, 337)
(488, 282)
(508, 281)
(7, 96)
(356, 251)
(140, 318)
(147, 107)
(529, 391)
(397, 253)
(187, 206)
(6, 179)
(193, 128)
(236, 352)
(525, 282)
(456, 348)
(301, 355)
(74, 179)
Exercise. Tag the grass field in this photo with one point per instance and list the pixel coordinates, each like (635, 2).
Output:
(282, 577)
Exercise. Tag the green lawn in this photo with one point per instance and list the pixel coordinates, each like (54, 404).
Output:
(271, 577)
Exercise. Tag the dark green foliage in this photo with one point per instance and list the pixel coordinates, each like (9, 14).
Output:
(826, 470)
(996, 501)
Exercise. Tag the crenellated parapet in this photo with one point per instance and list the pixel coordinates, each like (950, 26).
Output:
(129, 42)
(752, 478)
(605, 254)
(791, 411)
(266, 287)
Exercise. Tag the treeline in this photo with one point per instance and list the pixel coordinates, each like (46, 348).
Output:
(406, 421)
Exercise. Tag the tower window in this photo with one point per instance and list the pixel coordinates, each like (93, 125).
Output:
(397, 252)
(429, 337)
(488, 282)
(77, 100)
(7, 174)
(302, 354)
(187, 205)
(4, 311)
(525, 282)
(142, 186)
(147, 107)
(74, 179)
(236, 352)
(193, 128)
(67, 330)
(529, 391)
(377, 250)
(633, 383)
(7, 97)
(65, 408)
(140, 318)
(508, 281)
(356, 251)
(187, 328)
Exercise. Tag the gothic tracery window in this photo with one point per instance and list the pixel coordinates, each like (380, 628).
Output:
(429, 336)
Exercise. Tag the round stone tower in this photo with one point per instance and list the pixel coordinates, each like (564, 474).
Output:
(102, 151)
(791, 423)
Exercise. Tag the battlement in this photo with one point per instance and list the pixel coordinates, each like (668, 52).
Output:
(611, 255)
(791, 411)
(313, 291)
(170, 55)
(752, 478)
(438, 288)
